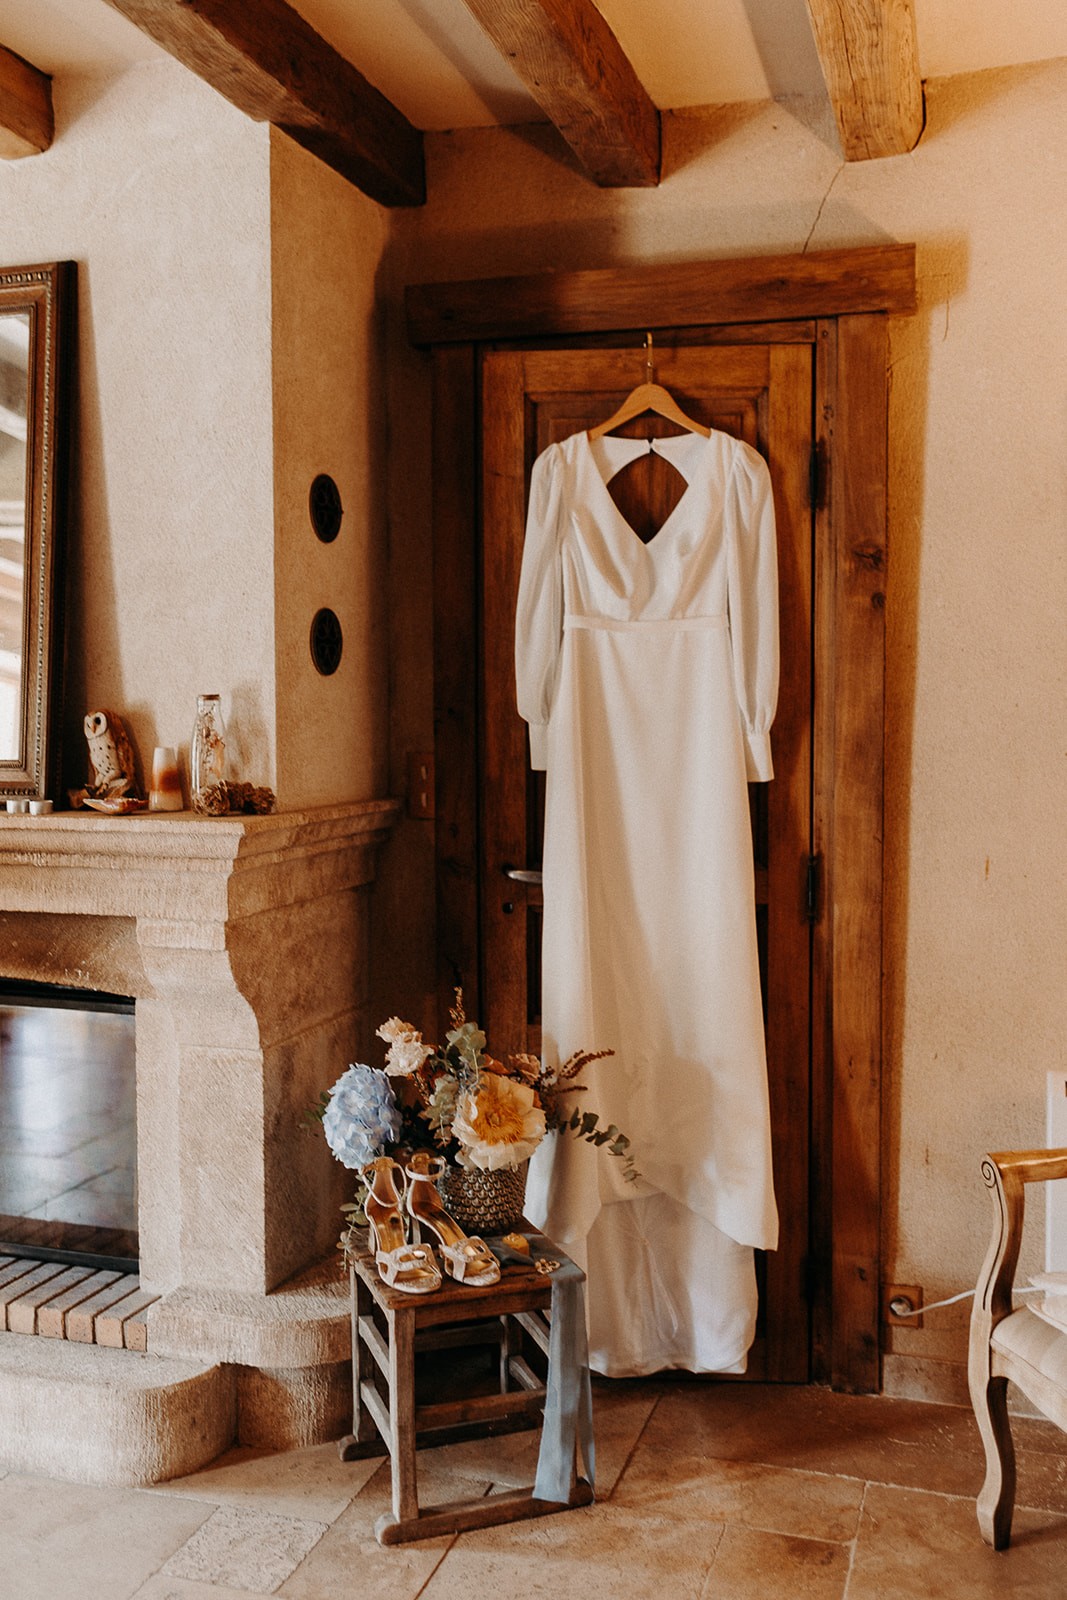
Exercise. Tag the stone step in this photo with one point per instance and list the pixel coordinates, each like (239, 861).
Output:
(96, 1415)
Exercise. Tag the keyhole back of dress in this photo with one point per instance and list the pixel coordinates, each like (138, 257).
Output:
(646, 490)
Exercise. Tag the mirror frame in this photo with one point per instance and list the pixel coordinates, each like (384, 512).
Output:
(48, 293)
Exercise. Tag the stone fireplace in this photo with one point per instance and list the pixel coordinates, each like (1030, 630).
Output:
(244, 943)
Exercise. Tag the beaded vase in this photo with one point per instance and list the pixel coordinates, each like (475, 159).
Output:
(483, 1202)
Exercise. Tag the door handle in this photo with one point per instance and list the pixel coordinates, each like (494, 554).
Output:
(523, 874)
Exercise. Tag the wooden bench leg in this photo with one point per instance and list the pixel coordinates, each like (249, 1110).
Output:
(510, 1346)
(402, 1416)
(364, 1440)
(996, 1501)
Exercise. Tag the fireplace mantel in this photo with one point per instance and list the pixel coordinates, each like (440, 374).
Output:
(194, 872)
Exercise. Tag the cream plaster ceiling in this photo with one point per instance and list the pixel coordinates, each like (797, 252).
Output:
(432, 60)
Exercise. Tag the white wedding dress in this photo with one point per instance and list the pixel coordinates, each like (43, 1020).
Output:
(648, 675)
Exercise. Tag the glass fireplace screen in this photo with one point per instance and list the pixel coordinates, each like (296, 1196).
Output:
(68, 1127)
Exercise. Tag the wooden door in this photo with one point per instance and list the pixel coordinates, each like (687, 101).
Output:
(763, 394)
(840, 302)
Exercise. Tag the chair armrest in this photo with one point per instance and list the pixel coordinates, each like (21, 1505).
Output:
(1006, 1174)
(1031, 1166)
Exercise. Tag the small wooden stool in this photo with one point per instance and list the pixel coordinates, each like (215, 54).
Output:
(451, 1317)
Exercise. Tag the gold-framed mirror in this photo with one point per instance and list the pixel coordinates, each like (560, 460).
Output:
(36, 318)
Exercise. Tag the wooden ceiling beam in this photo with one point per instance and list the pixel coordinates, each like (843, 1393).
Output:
(27, 126)
(574, 67)
(870, 61)
(266, 60)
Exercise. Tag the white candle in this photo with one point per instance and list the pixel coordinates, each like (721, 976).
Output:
(165, 793)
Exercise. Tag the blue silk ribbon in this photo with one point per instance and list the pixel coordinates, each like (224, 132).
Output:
(568, 1418)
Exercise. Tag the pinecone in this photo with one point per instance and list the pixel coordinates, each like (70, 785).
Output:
(212, 802)
(250, 798)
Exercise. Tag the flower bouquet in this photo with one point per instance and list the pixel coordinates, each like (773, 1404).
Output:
(481, 1114)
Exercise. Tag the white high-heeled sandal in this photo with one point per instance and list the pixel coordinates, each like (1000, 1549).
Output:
(468, 1260)
(408, 1267)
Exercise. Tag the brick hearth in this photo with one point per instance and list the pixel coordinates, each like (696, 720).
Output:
(57, 1302)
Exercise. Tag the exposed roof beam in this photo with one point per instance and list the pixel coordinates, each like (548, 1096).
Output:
(26, 123)
(573, 65)
(870, 61)
(268, 62)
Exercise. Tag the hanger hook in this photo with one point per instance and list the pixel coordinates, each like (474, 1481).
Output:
(648, 358)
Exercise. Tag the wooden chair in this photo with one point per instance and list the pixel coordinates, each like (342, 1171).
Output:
(1009, 1343)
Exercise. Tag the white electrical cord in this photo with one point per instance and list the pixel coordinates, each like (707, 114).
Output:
(904, 1308)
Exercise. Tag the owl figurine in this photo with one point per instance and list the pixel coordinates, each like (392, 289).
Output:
(112, 784)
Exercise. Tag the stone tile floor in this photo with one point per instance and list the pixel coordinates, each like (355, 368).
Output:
(709, 1491)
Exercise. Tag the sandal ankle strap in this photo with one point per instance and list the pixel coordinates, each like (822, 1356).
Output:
(435, 1166)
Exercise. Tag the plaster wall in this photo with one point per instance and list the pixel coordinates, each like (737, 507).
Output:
(160, 191)
(326, 241)
(975, 849)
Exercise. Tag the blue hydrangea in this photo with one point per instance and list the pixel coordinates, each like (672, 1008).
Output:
(362, 1116)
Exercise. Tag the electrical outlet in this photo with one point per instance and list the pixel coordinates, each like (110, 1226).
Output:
(895, 1292)
(420, 785)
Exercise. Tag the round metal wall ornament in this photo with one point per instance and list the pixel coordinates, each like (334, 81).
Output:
(327, 641)
(324, 504)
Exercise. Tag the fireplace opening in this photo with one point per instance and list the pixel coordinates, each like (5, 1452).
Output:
(68, 1126)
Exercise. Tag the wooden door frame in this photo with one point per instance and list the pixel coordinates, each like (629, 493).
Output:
(839, 300)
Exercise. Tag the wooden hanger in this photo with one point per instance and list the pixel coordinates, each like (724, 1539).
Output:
(648, 396)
